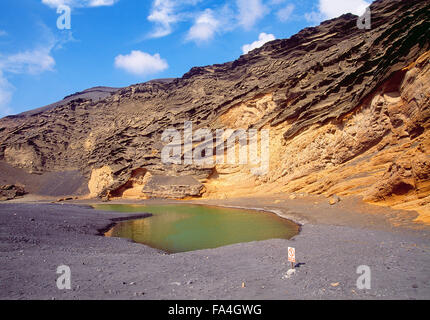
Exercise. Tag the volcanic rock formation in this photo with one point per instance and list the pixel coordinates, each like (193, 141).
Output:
(347, 110)
(9, 192)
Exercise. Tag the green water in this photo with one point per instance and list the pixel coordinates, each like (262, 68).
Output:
(179, 228)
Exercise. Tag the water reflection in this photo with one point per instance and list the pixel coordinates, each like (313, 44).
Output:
(178, 228)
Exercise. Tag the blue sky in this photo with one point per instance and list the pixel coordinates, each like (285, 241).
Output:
(121, 42)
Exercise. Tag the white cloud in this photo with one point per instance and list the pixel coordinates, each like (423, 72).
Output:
(285, 13)
(141, 63)
(329, 9)
(27, 61)
(100, 3)
(314, 17)
(32, 61)
(166, 13)
(335, 8)
(262, 39)
(56, 3)
(250, 11)
(204, 28)
(163, 15)
(6, 90)
(3, 33)
(79, 3)
(216, 19)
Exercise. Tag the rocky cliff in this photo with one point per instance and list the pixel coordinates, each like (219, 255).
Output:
(347, 110)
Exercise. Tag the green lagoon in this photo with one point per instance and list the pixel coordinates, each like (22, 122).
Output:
(179, 228)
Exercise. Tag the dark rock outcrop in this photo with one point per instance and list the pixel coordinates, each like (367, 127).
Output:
(9, 192)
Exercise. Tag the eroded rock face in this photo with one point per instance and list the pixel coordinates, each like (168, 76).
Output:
(23, 156)
(101, 180)
(342, 106)
(172, 187)
(402, 177)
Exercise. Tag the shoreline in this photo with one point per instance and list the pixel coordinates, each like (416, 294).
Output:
(115, 221)
(351, 211)
(294, 209)
(279, 213)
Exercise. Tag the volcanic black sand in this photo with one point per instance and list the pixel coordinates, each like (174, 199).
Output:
(36, 238)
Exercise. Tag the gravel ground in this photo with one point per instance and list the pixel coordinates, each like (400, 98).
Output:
(37, 238)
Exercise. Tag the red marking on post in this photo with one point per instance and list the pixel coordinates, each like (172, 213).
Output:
(291, 254)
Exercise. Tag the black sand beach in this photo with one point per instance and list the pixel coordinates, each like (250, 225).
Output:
(36, 238)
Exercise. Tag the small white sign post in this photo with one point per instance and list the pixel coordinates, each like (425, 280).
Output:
(292, 256)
